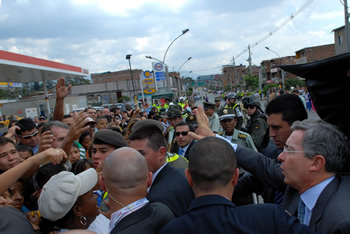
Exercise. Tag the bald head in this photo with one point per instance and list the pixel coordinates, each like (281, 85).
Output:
(125, 169)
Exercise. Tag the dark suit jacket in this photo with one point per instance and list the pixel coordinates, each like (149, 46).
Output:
(147, 220)
(331, 213)
(215, 214)
(175, 148)
(189, 148)
(171, 188)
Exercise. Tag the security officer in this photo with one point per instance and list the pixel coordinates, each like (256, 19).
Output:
(156, 104)
(231, 103)
(257, 124)
(228, 121)
(214, 122)
(217, 104)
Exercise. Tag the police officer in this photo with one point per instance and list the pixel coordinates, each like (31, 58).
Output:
(214, 122)
(231, 103)
(257, 124)
(228, 121)
(217, 104)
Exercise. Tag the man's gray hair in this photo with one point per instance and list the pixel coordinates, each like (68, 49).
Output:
(47, 126)
(322, 138)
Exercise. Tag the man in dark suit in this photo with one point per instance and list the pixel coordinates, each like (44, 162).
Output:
(169, 184)
(184, 142)
(213, 173)
(126, 179)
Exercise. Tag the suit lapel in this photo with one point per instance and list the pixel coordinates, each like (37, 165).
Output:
(290, 201)
(322, 202)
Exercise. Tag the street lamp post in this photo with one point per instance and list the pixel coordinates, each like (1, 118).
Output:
(281, 63)
(183, 33)
(166, 67)
(178, 72)
(128, 57)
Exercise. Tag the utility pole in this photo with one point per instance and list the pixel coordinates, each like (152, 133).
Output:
(250, 62)
(234, 70)
(347, 28)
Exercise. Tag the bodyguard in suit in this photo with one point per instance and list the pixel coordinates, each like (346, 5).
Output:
(184, 142)
(169, 184)
(213, 173)
(126, 178)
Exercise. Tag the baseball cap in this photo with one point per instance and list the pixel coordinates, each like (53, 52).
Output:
(60, 193)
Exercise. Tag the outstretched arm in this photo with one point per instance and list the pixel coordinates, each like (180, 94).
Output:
(61, 92)
(12, 175)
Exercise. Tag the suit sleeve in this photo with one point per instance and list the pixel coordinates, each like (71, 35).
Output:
(264, 168)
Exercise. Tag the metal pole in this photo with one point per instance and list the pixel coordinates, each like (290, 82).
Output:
(347, 30)
(166, 67)
(250, 62)
(183, 33)
(128, 57)
(178, 72)
(46, 98)
(282, 72)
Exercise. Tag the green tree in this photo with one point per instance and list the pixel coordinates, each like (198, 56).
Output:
(252, 82)
(123, 98)
(294, 83)
(77, 81)
(267, 87)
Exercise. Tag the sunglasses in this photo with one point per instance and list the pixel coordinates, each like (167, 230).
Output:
(249, 106)
(30, 136)
(181, 133)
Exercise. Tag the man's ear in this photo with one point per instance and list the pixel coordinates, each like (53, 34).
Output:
(188, 177)
(162, 152)
(318, 163)
(235, 177)
(149, 179)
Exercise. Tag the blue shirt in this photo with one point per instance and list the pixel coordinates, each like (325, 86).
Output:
(311, 196)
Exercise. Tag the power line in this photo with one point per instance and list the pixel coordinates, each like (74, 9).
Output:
(286, 21)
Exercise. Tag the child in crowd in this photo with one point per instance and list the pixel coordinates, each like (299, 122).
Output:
(102, 123)
(74, 154)
(25, 151)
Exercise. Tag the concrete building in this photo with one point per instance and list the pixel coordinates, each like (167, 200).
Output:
(315, 53)
(272, 74)
(340, 40)
(234, 74)
(113, 87)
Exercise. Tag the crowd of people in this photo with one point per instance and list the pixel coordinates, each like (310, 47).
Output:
(175, 168)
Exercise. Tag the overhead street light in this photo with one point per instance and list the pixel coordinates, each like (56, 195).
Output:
(180, 75)
(183, 33)
(128, 57)
(268, 48)
(184, 64)
(150, 57)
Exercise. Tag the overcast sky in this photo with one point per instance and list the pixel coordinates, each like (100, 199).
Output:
(97, 34)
